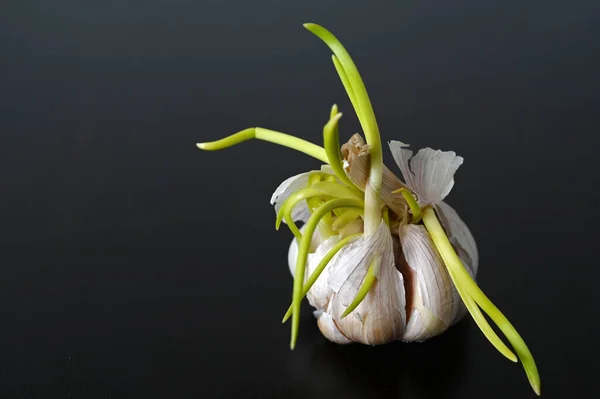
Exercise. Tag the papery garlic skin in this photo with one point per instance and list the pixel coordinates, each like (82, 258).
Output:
(414, 298)
(329, 329)
(320, 294)
(434, 306)
(430, 175)
(357, 160)
(382, 316)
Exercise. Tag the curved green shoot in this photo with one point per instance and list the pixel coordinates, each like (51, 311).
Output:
(337, 190)
(315, 177)
(320, 188)
(346, 83)
(484, 326)
(368, 282)
(330, 187)
(512, 335)
(346, 217)
(467, 287)
(365, 112)
(303, 249)
(412, 203)
(319, 269)
(333, 112)
(331, 142)
(285, 211)
(386, 216)
(325, 229)
(357, 90)
(271, 136)
(328, 177)
(476, 314)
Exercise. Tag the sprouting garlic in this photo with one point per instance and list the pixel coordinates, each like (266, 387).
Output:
(418, 289)
(379, 258)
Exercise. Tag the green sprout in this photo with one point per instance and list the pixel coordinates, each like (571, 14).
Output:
(334, 201)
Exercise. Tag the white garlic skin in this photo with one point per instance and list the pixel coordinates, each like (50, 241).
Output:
(413, 271)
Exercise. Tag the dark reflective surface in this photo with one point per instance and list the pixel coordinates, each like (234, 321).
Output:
(133, 265)
(430, 369)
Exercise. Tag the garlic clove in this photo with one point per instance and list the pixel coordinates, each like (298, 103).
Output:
(432, 304)
(329, 329)
(380, 317)
(430, 173)
(320, 293)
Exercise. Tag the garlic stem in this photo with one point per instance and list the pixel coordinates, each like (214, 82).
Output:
(467, 288)
(271, 136)
(345, 82)
(357, 93)
(303, 249)
(372, 207)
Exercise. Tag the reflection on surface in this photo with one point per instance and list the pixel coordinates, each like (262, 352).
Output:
(319, 368)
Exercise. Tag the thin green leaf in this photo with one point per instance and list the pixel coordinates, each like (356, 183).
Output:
(267, 135)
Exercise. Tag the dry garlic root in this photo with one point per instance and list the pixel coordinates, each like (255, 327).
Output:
(380, 259)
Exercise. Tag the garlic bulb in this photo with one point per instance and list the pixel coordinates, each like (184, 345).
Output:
(417, 299)
(380, 258)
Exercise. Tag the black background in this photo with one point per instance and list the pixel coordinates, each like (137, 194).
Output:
(133, 265)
